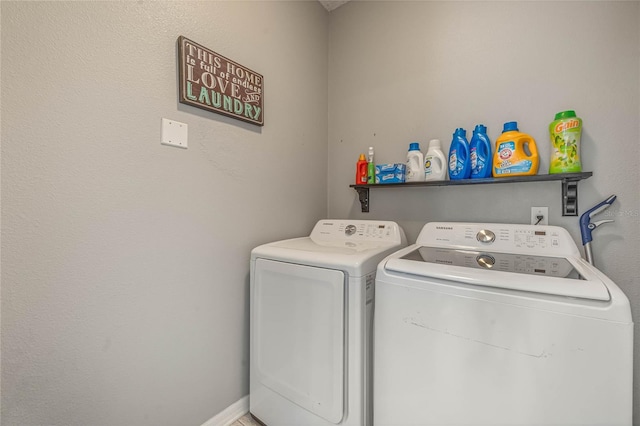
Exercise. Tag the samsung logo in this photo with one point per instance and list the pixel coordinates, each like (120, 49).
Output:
(446, 228)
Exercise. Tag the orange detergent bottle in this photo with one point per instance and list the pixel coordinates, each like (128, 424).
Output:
(361, 170)
(516, 153)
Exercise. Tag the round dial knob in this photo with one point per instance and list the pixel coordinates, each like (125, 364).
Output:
(486, 236)
(486, 261)
(350, 230)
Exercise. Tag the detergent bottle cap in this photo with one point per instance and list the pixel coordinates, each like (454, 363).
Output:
(434, 143)
(565, 114)
(480, 128)
(414, 146)
(463, 132)
(362, 158)
(510, 126)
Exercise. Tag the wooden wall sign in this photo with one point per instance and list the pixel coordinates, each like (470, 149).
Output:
(212, 82)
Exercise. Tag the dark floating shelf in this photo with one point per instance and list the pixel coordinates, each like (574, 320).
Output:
(569, 187)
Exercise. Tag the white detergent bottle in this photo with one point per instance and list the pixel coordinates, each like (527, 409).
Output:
(435, 162)
(415, 160)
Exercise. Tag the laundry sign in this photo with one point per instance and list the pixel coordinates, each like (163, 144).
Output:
(210, 81)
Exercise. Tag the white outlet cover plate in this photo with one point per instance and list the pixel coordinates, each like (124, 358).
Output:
(174, 133)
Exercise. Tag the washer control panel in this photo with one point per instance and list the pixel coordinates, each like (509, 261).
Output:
(515, 238)
(357, 231)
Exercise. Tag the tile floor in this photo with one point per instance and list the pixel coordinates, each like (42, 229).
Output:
(245, 420)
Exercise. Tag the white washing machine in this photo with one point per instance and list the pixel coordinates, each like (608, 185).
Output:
(311, 303)
(493, 324)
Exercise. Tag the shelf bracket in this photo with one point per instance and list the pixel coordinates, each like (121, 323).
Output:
(569, 198)
(363, 195)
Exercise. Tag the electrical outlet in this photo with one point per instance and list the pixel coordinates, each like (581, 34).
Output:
(539, 215)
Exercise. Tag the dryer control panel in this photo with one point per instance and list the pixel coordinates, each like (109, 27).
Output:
(357, 231)
(511, 238)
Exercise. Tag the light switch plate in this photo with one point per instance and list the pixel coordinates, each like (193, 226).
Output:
(174, 133)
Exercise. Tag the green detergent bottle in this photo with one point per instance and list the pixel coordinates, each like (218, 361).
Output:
(565, 132)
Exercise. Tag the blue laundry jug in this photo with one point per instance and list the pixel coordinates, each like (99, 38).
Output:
(480, 152)
(459, 158)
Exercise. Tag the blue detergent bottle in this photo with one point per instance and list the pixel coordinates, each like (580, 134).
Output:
(480, 152)
(459, 158)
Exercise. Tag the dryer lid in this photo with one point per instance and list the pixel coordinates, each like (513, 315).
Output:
(355, 258)
(561, 276)
(353, 246)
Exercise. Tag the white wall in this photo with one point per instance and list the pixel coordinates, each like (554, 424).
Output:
(125, 262)
(412, 71)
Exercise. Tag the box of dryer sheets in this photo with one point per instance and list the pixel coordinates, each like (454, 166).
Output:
(390, 173)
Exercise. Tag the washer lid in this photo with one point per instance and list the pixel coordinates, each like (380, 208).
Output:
(562, 276)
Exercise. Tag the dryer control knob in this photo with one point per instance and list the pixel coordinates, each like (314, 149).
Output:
(486, 261)
(486, 236)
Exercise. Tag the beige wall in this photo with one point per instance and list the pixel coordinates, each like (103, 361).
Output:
(412, 71)
(125, 262)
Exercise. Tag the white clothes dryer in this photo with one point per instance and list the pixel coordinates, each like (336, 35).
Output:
(497, 324)
(311, 301)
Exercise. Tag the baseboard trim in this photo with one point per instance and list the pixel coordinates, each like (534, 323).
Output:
(230, 414)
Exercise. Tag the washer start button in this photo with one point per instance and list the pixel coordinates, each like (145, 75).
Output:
(486, 236)
(486, 261)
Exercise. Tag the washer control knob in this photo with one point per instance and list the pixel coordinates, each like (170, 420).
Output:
(350, 230)
(485, 261)
(486, 236)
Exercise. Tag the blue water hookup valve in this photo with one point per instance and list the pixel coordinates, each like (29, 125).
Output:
(586, 226)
